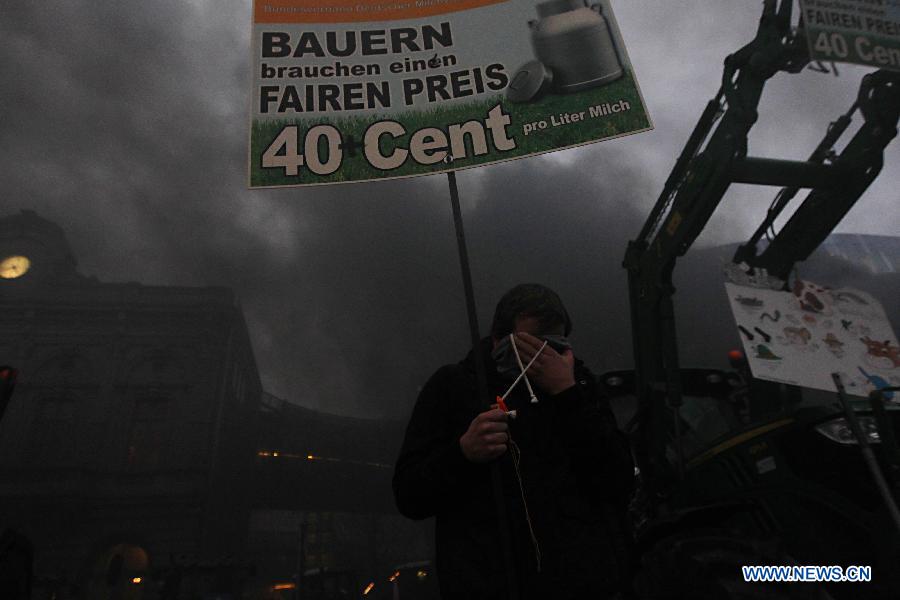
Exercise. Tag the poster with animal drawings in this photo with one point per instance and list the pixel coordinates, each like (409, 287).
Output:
(804, 335)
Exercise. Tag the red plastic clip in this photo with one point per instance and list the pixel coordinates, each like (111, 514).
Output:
(502, 404)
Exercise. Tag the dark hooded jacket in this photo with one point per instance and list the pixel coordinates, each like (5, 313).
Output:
(576, 474)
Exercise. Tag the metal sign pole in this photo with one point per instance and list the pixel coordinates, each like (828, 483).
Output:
(502, 518)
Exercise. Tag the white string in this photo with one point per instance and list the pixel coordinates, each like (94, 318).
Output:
(522, 374)
(514, 448)
(512, 340)
(516, 455)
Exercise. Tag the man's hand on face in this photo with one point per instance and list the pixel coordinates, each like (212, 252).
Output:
(552, 372)
(487, 436)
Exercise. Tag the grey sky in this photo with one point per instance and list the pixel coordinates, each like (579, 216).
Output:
(126, 123)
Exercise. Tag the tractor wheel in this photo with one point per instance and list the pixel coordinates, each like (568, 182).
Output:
(706, 565)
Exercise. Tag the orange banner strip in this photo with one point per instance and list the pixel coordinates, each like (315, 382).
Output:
(350, 11)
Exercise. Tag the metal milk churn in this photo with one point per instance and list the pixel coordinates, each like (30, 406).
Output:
(574, 41)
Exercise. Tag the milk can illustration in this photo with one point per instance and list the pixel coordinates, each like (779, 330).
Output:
(574, 50)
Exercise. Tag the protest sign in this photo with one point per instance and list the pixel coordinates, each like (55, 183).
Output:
(804, 335)
(350, 91)
(865, 32)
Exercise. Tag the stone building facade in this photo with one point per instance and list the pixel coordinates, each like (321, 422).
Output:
(141, 458)
(128, 445)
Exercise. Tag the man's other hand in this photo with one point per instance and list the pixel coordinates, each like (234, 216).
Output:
(552, 372)
(487, 436)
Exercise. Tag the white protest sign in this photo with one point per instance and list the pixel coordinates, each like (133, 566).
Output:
(803, 336)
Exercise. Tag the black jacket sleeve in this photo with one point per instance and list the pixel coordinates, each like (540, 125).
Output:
(599, 450)
(431, 468)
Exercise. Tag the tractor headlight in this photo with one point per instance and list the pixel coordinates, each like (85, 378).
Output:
(838, 430)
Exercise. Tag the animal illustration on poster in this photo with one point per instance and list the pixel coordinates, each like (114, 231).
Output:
(803, 335)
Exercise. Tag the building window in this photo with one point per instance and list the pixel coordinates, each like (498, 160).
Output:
(55, 433)
(320, 540)
(238, 385)
(149, 435)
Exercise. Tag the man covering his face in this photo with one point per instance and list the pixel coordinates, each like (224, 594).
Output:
(566, 469)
